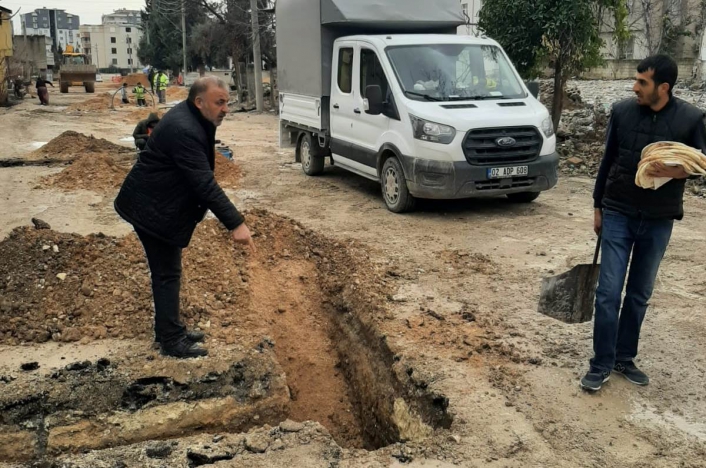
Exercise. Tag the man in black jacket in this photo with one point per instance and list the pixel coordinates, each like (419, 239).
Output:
(167, 193)
(634, 221)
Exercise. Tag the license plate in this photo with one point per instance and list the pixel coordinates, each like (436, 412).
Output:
(503, 172)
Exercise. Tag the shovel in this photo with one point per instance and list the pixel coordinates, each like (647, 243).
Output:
(569, 297)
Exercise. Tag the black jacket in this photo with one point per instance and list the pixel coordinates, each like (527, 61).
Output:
(631, 128)
(142, 126)
(171, 186)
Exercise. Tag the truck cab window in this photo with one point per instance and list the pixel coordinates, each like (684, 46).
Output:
(371, 73)
(345, 70)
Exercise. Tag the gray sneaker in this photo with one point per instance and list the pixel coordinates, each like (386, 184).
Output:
(594, 380)
(629, 370)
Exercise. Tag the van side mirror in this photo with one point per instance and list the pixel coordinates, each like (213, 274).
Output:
(533, 87)
(373, 94)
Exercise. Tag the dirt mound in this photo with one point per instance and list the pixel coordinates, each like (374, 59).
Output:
(135, 78)
(98, 172)
(105, 280)
(228, 174)
(70, 144)
(142, 113)
(94, 104)
(176, 93)
(66, 287)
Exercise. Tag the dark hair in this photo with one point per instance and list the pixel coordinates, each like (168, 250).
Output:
(124, 84)
(664, 67)
(201, 85)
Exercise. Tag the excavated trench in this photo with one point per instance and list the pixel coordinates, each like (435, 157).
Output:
(293, 333)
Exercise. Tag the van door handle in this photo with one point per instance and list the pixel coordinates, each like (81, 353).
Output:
(357, 111)
(336, 106)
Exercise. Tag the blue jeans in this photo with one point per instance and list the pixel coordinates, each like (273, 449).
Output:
(615, 333)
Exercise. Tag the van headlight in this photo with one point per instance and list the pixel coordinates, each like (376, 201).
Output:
(548, 127)
(433, 132)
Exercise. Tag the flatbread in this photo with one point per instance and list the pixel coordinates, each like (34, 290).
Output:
(669, 153)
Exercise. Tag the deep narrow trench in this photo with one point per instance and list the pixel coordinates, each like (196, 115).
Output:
(287, 300)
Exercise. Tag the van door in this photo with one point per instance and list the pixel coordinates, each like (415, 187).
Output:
(346, 110)
(368, 129)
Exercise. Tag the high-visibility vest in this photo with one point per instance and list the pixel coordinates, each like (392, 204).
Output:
(139, 92)
(163, 81)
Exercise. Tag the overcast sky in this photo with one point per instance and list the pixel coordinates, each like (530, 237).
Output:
(88, 11)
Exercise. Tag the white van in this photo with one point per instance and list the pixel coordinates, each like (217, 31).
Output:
(428, 115)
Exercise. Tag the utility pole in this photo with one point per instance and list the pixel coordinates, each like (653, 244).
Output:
(183, 39)
(257, 55)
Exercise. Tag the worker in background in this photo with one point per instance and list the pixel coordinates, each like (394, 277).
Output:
(168, 192)
(636, 224)
(150, 78)
(143, 130)
(139, 92)
(42, 91)
(160, 82)
(123, 94)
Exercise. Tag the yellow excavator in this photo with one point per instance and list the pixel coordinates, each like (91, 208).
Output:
(76, 71)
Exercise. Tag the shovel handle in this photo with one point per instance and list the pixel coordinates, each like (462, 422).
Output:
(598, 249)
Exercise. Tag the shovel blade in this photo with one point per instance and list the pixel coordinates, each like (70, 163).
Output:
(569, 297)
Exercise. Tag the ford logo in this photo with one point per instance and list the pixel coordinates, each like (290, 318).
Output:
(506, 141)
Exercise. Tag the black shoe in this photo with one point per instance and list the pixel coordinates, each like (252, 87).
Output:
(629, 370)
(183, 348)
(594, 380)
(191, 335)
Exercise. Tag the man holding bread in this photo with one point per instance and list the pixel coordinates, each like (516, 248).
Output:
(635, 221)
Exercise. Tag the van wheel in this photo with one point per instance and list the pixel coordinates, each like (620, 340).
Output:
(64, 87)
(394, 187)
(90, 87)
(523, 197)
(311, 164)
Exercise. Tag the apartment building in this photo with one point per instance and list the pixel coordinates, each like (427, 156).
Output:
(113, 44)
(60, 26)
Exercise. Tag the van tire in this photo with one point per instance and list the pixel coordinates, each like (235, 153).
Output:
(312, 165)
(90, 87)
(523, 197)
(63, 87)
(394, 187)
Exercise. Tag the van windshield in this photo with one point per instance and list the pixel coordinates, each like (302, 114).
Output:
(454, 72)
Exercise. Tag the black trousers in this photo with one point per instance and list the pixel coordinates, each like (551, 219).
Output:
(141, 102)
(164, 261)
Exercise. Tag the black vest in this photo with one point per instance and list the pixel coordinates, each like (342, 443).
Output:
(637, 126)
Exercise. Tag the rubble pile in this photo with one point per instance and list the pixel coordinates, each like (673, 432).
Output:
(581, 133)
(70, 145)
(98, 172)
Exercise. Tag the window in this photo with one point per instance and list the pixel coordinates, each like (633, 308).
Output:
(128, 30)
(626, 49)
(129, 51)
(464, 6)
(345, 70)
(114, 51)
(112, 40)
(129, 61)
(371, 72)
(115, 61)
(128, 40)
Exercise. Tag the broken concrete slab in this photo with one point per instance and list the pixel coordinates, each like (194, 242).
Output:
(87, 405)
